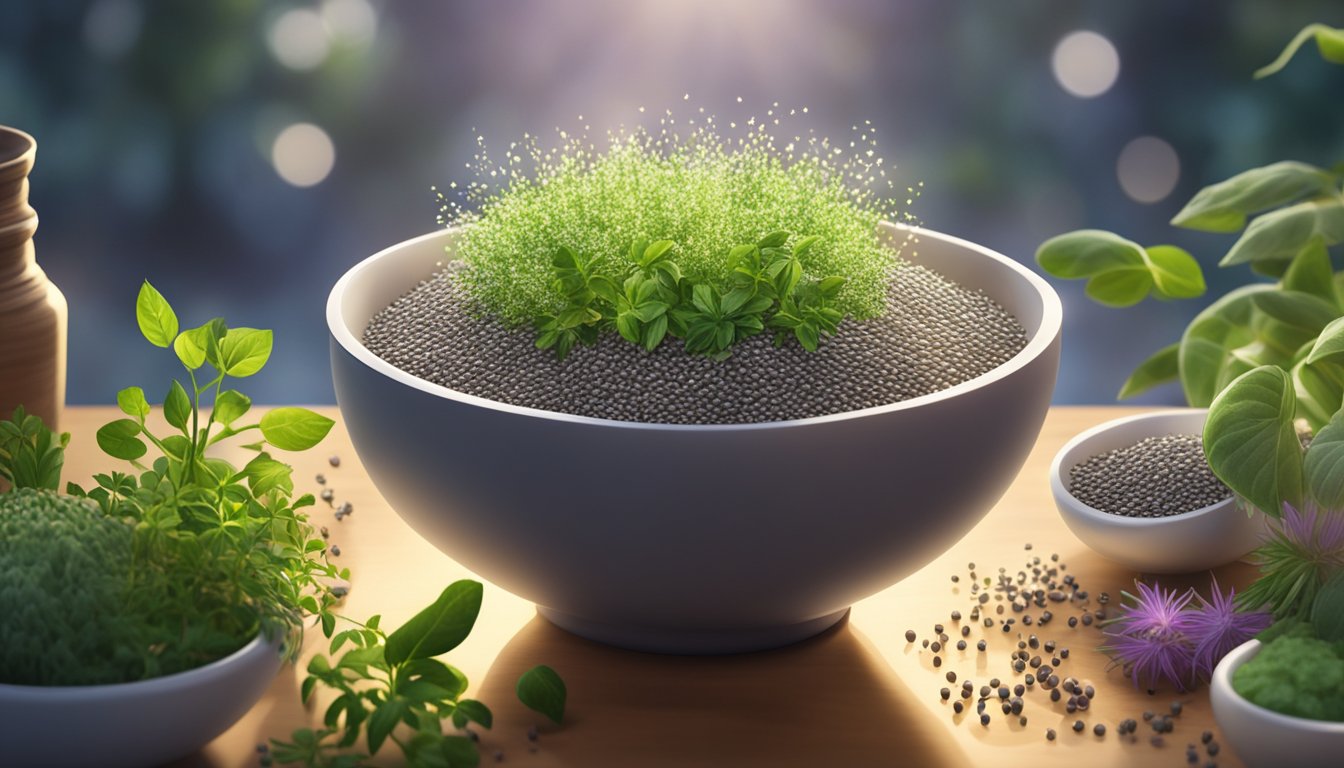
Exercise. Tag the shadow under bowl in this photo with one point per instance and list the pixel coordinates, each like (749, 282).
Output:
(1192, 541)
(695, 556)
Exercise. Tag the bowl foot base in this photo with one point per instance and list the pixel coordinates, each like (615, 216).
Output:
(692, 641)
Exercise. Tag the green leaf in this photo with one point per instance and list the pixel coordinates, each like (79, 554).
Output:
(830, 287)
(439, 628)
(1324, 464)
(433, 671)
(265, 474)
(1175, 272)
(1283, 234)
(807, 336)
(244, 351)
(118, 440)
(294, 429)
(1223, 207)
(541, 690)
(459, 751)
(191, 345)
(774, 239)
(734, 299)
(1161, 367)
(628, 326)
(1120, 287)
(1327, 610)
(654, 332)
(155, 317)
(474, 711)
(1311, 272)
(1212, 347)
(230, 405)
(704, 299)
(1320, 391)
(1297, 309)
(655, 251)
(1330, 344)
(177, 406)
(132, 402)
(1250, 440)
(383, 720)
(1329, 43)
(804, 245)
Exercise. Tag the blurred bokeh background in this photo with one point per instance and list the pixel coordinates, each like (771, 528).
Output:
(242, 153)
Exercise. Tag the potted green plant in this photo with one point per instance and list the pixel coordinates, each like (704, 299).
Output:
(628, 384)
(150, 611)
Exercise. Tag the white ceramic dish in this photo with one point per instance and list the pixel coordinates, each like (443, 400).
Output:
(133, 725)
(1193, 541)
(1266, 739)
(715, 561)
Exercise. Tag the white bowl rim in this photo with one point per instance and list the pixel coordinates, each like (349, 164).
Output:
(1092, 513)
(1051, 321)
(161, 684)
(1222, 677)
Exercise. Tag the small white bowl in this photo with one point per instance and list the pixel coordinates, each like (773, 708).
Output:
(125, 725)
(1262, 737)
(1193, 541)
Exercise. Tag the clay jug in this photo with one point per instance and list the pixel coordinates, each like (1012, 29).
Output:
(32, 310)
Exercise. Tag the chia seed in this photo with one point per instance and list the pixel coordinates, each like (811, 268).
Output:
(1158, 476)
(934, 335)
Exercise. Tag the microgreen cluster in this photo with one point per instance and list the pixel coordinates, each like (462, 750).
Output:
(386, 681)
(704, 193)
(654, 300)
(1165, 637)
(217, 552)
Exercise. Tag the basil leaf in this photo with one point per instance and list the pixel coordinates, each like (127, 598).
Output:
(155, 317)
(118, 440)
(1283, 234)
(439, 628)
(244, 351)
(384, 718)
(1163, 366)
(1311, 272)
(1223, 207)
(1250, 440)
(132, 402)
(265, 474)
(294, 429)
(1330, 344)
(474, 711)
(177, 406)
(1327, 610)
(230, 406)
(1324, 464)
(541, 690)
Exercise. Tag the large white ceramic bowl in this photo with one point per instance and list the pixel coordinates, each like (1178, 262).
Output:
(1263, 738)
(133, 725)
(558, 508)
(1194, 541)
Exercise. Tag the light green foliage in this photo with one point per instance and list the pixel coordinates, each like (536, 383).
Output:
(1250, 440)
(1295, 674)
(214, 554)
(391, 688)
(30, 455)
(1298, 214)
(64, 572)
(702, 194)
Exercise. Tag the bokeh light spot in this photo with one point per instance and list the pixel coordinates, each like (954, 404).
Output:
(1148, 169)
(351, 21)
(1086, 64)
(298, 39)
(303, 154)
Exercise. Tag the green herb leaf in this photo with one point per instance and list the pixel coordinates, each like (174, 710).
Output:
(1120, 272)
(384, 718)
(244, 351)
(444, 676)
(1250, 440)
(471, 710)
(1297, 309)
(439, 628)
(1324, 464)
(155, 317)
(265, 474)
(1311, 272)
(1330, 344)
(177, 406)
(773, 240)
(294, 429)
(1283, 234)
(1175, 272)
(230, 405)
(132, 402)
(1327, 610)
(1223, 342)
(1329, 42)
(1163, 366)
(541, 690)
(1223, 207)
(1320, 391)
(118, 440)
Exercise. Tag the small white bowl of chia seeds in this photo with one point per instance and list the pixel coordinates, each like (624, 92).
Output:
(1139, 491)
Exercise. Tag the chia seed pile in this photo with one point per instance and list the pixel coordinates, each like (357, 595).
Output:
(935, 334)
(1027, 605)
(1155, 477)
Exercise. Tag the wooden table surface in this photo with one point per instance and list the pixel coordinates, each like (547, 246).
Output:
(858, 695)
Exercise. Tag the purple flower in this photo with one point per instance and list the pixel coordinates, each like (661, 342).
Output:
(1316, 534)
(1150, 640)
(1216, 627)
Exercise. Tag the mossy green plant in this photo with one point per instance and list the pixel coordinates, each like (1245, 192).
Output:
(704, 193)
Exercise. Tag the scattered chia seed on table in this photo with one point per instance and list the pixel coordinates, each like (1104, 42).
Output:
(1155, 477)
(935, 334)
